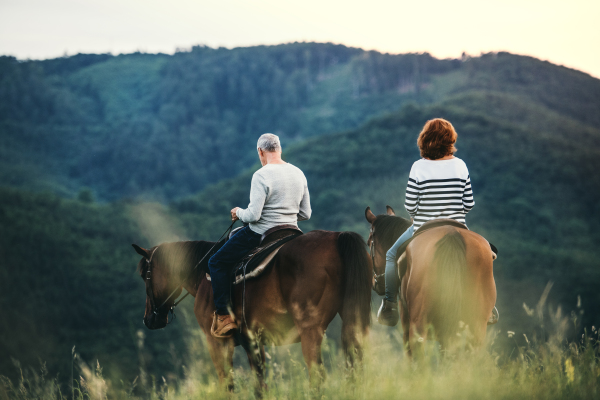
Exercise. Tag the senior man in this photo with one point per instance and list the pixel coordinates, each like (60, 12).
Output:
(278, 196)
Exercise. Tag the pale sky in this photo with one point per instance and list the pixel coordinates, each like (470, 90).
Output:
(562, 32)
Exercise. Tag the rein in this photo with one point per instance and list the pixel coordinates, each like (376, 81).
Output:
(149, 293)
(372, 254)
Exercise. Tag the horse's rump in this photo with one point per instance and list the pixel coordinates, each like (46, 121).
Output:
(317, 272)
(451, 271)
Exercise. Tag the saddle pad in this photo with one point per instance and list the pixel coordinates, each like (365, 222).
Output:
(257, 261)
(434, 223)
(258, 269)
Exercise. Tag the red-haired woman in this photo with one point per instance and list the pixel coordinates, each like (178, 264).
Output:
(439, 186)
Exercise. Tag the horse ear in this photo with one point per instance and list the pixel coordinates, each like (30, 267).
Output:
(141, 251)
(369, 215)
(390, 210)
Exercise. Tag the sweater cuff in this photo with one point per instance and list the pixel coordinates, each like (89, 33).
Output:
(238, 212)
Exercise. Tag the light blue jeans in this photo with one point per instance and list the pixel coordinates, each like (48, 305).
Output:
(391, 274)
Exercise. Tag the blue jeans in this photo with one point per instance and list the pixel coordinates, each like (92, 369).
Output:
(222, 262)
(391, 274)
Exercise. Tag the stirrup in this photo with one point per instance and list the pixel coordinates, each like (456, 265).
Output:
(495, 317)
(222, 333)
(388, 313)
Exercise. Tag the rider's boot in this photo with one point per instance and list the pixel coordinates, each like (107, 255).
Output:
(222, 326)
(388, 313)
(495, 317)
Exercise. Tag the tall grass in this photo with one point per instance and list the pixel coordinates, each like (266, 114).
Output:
(544, 366)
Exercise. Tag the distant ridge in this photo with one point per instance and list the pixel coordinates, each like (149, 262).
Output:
(162, 127)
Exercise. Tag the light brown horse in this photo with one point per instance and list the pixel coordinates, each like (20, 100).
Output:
(448, 283)
(310, 280)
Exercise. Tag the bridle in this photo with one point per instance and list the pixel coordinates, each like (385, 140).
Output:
(372, 253)
(148, 280)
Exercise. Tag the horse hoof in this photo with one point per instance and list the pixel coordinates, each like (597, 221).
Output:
(260, 389)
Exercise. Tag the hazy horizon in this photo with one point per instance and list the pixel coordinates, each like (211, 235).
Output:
(552, 31)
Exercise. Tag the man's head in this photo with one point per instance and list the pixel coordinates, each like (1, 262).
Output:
(437, 139)
(268, 147)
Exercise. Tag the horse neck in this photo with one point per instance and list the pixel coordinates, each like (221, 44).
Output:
(403, 225)
(195, 271)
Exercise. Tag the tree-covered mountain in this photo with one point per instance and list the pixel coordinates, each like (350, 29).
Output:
(162, 127)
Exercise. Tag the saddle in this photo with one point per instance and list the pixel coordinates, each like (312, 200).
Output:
(255, 263)
(434, 223)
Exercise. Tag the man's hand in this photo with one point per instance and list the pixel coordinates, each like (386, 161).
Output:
(234, 216)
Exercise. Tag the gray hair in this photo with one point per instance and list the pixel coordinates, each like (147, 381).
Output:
(268, 142)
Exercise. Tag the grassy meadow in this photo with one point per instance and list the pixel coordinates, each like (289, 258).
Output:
(541, 365)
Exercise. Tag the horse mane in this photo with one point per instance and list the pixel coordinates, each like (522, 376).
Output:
(182, 256)
(388, 229)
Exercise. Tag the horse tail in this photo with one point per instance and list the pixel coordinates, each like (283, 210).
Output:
(450, 267)
(356, 309)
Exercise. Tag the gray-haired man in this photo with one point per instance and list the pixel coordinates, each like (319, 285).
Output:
(278, 196)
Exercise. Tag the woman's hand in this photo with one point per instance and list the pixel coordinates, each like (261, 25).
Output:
(234, 216)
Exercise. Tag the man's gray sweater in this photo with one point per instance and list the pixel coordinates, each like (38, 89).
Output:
(278, 196)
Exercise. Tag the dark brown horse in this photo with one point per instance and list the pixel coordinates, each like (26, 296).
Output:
(310, 280)
(448, 283)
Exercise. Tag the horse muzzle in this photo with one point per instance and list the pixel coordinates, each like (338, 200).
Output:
(156, 320)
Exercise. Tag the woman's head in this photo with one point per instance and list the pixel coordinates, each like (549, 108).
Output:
(437, 139)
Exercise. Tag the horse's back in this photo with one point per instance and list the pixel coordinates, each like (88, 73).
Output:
(310, 252)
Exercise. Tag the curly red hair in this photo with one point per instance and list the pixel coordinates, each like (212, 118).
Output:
(437, 139)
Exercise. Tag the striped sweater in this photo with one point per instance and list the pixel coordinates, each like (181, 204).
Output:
(438, 189)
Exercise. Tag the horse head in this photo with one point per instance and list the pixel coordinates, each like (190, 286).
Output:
(385, 230)
(161, 291)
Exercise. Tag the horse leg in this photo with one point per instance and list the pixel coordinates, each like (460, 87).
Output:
(479, 335)
(310, 340)
(417, 336)
(405, 321)
(351, 343)
(256, 357)
(221, 353)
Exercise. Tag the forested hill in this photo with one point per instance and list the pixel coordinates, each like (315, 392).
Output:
(162, 127)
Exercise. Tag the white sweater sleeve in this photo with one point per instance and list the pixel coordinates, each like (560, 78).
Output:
(258, 195)
(411, 202)
(305, 211)
(468, 200)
